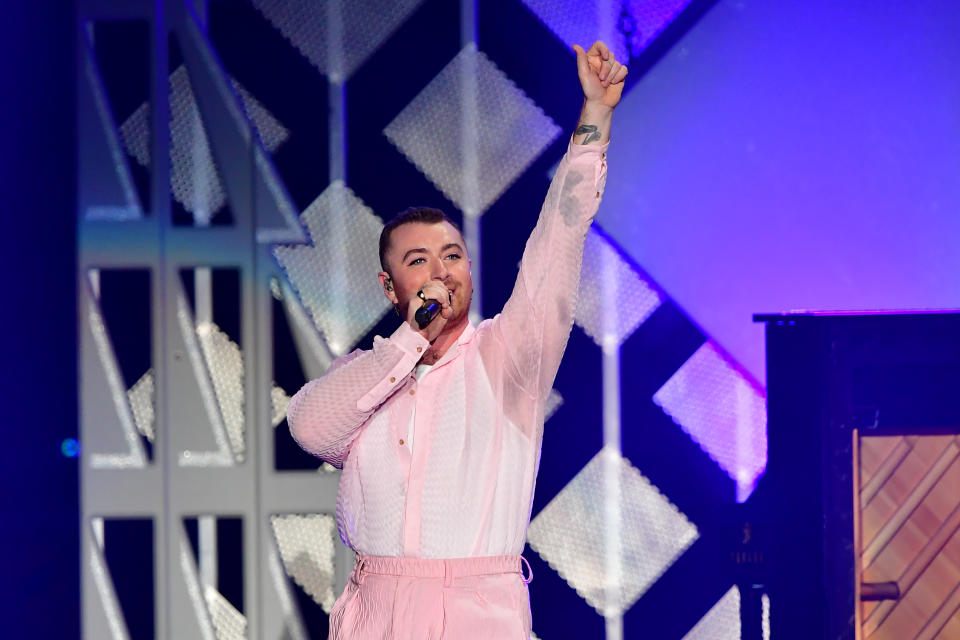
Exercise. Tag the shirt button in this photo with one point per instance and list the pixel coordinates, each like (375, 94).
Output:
(411, 391)
(401, 442)
(419, 349)
(598, 194)
(392, 379)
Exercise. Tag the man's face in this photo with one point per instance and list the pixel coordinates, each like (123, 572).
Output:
(420, 252)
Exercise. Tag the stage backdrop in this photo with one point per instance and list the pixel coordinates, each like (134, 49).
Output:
(237, 161)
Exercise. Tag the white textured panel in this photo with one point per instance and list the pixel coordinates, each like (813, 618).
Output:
(336, 36)
(228, 623)
(279, 401)
(140, 396)
(722, 622)
(221, 456)
(336, 277)
(472, 120)
(554, 400)
(272, 134)
(306, 544)
(570, 533)
(194, 180)
(626, 27)
(645, 20)
(722, 412)
(613, 299)
(225, 364)
(765, 621)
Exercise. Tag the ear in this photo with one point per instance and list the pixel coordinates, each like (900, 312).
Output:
(387, 285)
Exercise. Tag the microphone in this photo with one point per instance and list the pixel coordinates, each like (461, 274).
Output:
(425, 314)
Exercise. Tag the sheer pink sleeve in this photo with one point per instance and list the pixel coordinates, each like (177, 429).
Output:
(327, 414)
(536, 320)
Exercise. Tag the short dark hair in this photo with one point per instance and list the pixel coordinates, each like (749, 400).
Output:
(426, 215)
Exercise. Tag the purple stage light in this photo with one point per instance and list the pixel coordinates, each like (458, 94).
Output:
(786, 155)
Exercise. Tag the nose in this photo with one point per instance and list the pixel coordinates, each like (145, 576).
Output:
(438, 270)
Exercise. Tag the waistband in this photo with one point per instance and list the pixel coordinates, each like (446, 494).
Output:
(446, 568)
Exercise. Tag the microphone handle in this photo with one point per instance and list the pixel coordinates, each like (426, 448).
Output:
(425, 314)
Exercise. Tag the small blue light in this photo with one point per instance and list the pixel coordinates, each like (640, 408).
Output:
(70, 447)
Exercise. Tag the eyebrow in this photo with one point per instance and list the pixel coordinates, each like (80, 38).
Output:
(417, 250)
(449, 245)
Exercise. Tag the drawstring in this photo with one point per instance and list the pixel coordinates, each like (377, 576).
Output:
(526, 580)
(358, 570)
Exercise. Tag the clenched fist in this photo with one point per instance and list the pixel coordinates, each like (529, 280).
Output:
(601, 76)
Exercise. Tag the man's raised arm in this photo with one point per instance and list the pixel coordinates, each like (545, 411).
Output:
(536, 320)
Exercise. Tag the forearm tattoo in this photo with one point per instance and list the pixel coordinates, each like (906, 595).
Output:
(590, 131)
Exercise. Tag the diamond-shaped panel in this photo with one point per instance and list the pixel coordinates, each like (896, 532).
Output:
(645, 20)
(554, 400)
(336, 36)
(279, 401)
(571, 533)
(613, 299)
(225, 364)
(722, 412)
(626, 27)
(228, 623)
(140, 396)
(194, 180)
(472, 131)
(336, 276)
(306, 544)
(722, 622)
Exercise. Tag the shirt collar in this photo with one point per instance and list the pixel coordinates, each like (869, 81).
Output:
(465, 336)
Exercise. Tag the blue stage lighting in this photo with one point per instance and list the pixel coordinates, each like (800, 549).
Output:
(70, 447)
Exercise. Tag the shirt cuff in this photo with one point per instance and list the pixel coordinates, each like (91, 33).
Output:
(576, 150)
(408, 340)
(413, 345)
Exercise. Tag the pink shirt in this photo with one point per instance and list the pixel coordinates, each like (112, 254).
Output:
(466, 490)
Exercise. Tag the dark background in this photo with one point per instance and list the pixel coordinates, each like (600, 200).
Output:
(40, 592)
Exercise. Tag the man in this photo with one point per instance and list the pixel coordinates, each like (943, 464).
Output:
(438, 429)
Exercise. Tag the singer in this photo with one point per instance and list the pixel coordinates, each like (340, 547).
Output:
(438, 427)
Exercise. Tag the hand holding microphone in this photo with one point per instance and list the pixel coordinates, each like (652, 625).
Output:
(428, 311)
(432, 300)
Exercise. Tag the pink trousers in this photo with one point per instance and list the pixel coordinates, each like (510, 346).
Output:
(433, 599)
